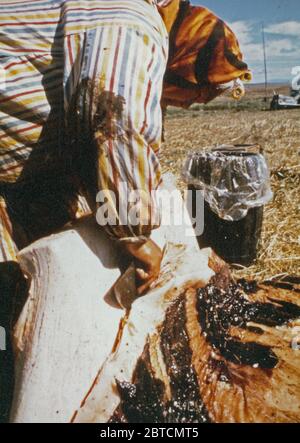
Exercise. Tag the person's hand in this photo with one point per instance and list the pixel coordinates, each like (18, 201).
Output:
(148, 257)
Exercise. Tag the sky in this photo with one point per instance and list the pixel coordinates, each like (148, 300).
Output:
(281, 20)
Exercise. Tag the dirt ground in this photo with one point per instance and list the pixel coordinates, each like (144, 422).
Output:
(279, 134)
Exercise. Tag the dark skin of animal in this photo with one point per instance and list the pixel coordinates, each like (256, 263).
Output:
(220, 305)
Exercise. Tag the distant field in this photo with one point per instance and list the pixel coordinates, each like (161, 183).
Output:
(259, 89)
(278, 132)
(253, 100)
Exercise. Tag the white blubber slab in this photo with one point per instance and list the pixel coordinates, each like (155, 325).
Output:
(182, 267)
(67, 328)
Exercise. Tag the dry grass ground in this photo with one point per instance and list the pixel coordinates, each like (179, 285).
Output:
(279, 135)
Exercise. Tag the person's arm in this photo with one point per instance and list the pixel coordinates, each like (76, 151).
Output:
(133, 235)
(127, 125)
(148, 257)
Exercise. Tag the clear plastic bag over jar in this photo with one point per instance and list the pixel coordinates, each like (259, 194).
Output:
(234, 179)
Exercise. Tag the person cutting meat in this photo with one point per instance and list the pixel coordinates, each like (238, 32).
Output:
(82, 88)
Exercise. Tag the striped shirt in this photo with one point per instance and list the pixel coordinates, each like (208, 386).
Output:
(48, 49)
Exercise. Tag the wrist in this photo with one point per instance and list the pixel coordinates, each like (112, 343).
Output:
(141, 251)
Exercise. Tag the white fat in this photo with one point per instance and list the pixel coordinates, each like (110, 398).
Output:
(67, 329)
(189, 268)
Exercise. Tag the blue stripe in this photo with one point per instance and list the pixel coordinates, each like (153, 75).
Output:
(89, 17)
(31, 115)
(21, 7)
(155, 102)
(124, 63)
(38, 116)
(51, 83)
(21, 82)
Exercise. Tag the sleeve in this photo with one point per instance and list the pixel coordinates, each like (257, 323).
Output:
(126, 124)
(28, 30)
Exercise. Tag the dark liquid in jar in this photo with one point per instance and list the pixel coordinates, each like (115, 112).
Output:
(235, 242)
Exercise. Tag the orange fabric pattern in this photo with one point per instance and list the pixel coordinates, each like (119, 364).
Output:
(169, 13)
(204, 54)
